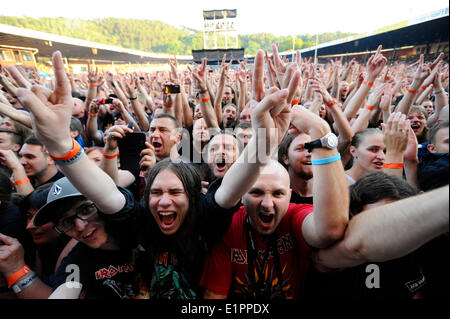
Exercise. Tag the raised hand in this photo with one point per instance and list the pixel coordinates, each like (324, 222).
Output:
(148, 158)
(115, 132)
(386, 99)
(199, 75)
(376, 63)
(11, 255)
(51, 110)
(94, 77)
(395, 133)
(422, 71)
(375, 95)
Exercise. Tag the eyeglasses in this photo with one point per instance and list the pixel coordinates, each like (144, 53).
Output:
(84, 212)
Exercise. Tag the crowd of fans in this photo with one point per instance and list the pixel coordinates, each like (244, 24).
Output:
(278, 180)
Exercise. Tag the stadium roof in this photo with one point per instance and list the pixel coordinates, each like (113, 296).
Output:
(429, 28)
(47, 43)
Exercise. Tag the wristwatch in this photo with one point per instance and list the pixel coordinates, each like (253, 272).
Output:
(329, 141)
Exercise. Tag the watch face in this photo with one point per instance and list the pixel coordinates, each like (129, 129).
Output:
(332, 141)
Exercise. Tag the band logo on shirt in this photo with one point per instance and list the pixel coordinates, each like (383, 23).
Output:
(284, 244)
(112, 271)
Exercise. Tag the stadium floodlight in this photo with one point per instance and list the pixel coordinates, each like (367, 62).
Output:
(220, 29)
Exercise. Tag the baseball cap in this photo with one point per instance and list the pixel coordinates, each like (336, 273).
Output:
(61, 190)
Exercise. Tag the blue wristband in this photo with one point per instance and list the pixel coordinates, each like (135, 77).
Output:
(327, 160)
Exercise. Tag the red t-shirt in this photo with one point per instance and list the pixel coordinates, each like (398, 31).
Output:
(226, 267)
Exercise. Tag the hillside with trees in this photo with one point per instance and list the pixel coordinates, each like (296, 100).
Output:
(155, 36)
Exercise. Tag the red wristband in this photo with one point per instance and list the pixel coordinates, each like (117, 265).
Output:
(110, 156)
(369, 107)
(205, 99)
(332, 103)
(70, 154)
(167, 105)
(393, 165)
(21, 181)
(423, 87)
(412, 91)
(92, 114)
(295, 102)
(432, 86)
(92, 84)
(368, 83)
(16, 276)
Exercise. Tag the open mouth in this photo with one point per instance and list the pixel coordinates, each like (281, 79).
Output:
(307, 163)
(415, 127)
(157, 146)
(167, 219)
(378, 165)
(221, 164)
(88, 236)
(266, 219)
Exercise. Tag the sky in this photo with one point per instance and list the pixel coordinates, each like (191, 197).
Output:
(278, 17)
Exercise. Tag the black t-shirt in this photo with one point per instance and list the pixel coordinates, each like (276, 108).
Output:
(297, 199)
(395, 279)
(104, 274)
(53, 179)
(174, 263)
(434, 260)
(107, 274)
(49, 254)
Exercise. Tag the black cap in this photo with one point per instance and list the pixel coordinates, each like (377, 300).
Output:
(61, 190)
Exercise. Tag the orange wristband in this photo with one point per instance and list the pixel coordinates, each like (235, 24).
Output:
(423, 87)
(412, 91)
(295, 102)
(92, 84)
(369, 107)
(167, 105)
(92, 114)
(70, 154)
(110, 156)
(21, 181)
(331, 103)
(368, 83)
(16, 276)
(205, 100)
(393, 165)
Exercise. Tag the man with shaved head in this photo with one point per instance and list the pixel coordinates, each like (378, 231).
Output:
(265, 252)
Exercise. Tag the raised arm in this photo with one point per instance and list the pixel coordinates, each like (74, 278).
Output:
(108, 162)
(221, 88)
(51, 112)
(341, 122)
(183, 110)
(441, 99)
(204, 98)
(330, 189)
(375, 65)
(16, 115)
(21, 180)
(422, 72)
(138, 108)
(389, 231)
(362, 121)
(270, 121)
(92, 125)
(95, 80)
(395, 137)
